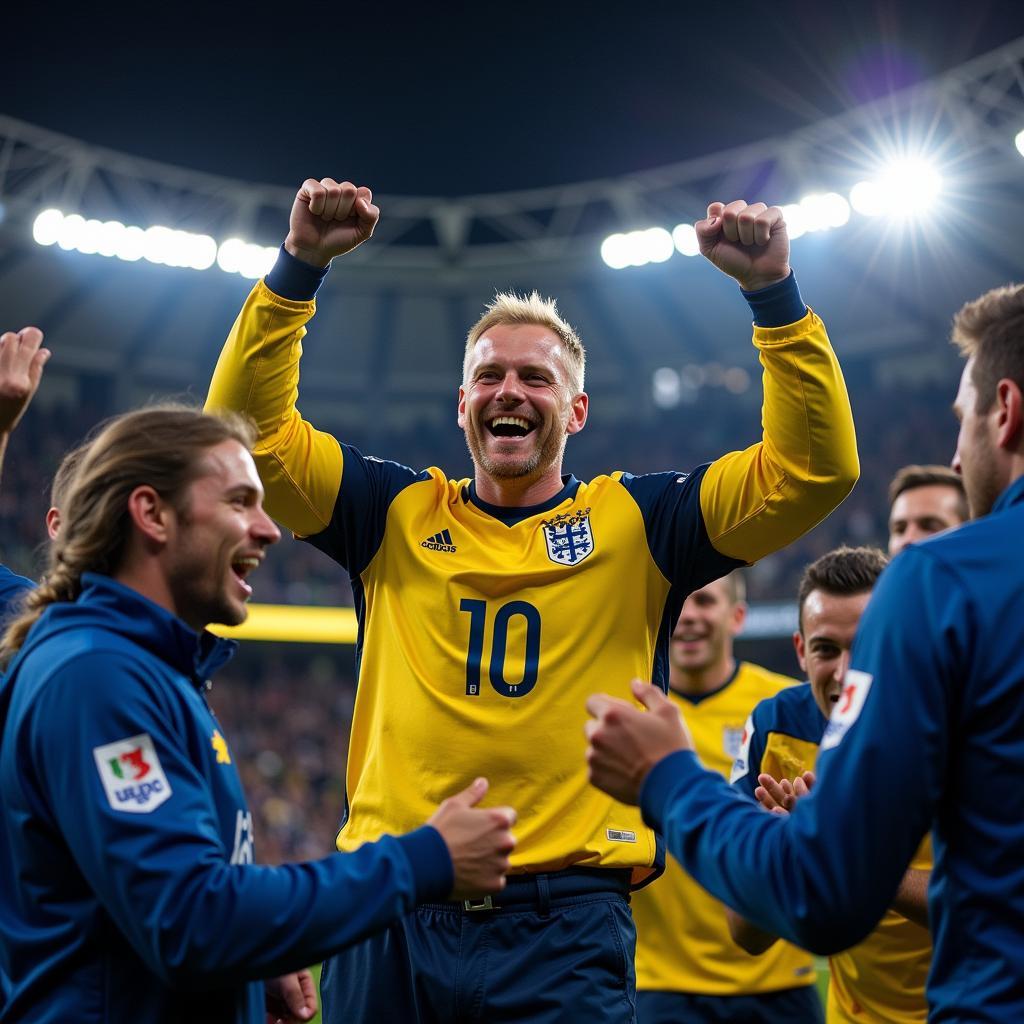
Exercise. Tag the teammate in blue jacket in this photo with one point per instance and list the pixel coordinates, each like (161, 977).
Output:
(928, 733)
(128, 885)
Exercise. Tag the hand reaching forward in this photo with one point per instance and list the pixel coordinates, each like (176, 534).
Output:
(479, 840)
(290, 998)
(328, 219)
(626, 743)
(780, 796)
(21, 368)
(749, 243)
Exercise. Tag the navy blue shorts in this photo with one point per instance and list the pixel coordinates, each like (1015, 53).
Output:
(553, 948)
(787, 1006)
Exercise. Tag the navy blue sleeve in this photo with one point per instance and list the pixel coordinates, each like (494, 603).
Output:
(162, 871)
(294, 279)
(368, 487)
(747, 765)
(676, 534)
(845, 848)
(777, 305)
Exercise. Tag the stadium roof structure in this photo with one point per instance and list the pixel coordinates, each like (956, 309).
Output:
(393, 318)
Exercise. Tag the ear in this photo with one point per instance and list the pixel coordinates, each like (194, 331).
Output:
(1009, 413)
(739, 616)
(462, 408)
(578, 413)
(798, 644)
(150, 514)
(53, 521)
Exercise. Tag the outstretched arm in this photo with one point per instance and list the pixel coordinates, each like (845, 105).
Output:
(258, 370)
(761, 499)
(873, 800)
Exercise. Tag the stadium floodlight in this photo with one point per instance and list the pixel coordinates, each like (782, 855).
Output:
(822, 212)
(637, 248)
(613, 252)
(131, 244)
(110, 236)
(685, 238)
(666, 387)
(46, 227)
(238, 257)
(904, 188)
(70, 231)
(1018, 141)
(795, 217)
(156, 244)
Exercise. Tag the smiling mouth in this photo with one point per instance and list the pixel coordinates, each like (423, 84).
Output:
(241, 567)
(509, 426)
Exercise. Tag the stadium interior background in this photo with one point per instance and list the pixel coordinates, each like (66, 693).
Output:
(672, 376)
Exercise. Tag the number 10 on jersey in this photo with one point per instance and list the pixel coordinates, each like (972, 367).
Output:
(479, 614)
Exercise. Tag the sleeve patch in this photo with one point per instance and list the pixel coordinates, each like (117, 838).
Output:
(132, 776)
(741, 765)
(847, 711)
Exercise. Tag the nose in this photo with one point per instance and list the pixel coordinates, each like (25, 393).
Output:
(510, 389)
(263, 529)
(842, 664)
(955, 464)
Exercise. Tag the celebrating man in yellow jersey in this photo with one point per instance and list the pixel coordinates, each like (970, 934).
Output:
(688, 968)
(490, 607)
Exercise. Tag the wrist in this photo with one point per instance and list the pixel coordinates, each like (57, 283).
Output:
(758, 282)
(314, 257)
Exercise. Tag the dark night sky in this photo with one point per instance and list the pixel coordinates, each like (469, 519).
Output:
(462, 98)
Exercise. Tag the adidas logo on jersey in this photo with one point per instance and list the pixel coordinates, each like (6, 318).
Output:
(439, 542)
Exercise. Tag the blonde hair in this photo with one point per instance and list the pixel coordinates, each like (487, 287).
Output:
(163, 447)
(510, 308)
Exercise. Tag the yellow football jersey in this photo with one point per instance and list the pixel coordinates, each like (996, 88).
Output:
(884, 977)
(683, 940)
(483, 630)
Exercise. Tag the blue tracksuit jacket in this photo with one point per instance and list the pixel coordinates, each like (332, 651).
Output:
(129, 892)
(928, 733)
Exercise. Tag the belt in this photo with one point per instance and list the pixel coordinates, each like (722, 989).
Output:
(538, 891)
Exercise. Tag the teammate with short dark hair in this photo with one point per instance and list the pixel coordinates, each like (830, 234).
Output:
(485, 604)
(127, 884)
(929, 734)
(923, 501)
(883, 977)
(687, 966)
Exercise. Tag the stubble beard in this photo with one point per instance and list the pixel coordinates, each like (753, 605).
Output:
(545, 455)
(981, 479)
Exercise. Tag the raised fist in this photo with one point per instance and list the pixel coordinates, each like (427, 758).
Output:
(749, 243)
(328, 219)
(21, 368)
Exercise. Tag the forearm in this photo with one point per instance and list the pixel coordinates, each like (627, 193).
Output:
(912, 896)
(738, 853)
(761, 499)
(257, 375)
(224, 923)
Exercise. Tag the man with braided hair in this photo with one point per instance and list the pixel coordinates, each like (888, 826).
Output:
(128, 885)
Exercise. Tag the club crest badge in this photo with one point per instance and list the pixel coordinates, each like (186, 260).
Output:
(569, 537)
